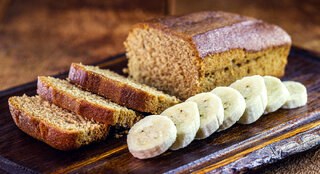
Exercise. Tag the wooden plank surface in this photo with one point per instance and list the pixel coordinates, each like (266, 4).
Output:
(240, 148)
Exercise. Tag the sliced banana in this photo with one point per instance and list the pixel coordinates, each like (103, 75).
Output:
(233, 103)
(277, 93)
(211, 113)
(254, 92)
(151, 136)
(186, 118)
(298, 95)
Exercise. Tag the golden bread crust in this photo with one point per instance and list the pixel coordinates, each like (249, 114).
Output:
(111, 89)
(79, 106)
(119, 92)
(42, 131)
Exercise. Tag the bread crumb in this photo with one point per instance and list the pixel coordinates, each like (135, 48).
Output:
(125, 70)
(118, 135)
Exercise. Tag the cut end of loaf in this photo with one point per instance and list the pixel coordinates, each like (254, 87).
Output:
(163, 61)
(55, 126)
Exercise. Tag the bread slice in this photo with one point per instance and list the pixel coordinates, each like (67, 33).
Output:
(53, 125)
(193, 53)
(68, 96)
(120, 89)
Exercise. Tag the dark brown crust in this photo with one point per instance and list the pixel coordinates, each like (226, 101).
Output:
(79, 106)
(118, 92)
(207, 31)
(42, 131)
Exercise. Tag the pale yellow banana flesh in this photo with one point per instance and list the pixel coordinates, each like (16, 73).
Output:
(186, 118)
(277, 93)
(298, 95)
(254, 91)
(210, 110)
(233, 103)
(151, 136)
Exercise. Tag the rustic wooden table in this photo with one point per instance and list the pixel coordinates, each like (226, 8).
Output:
(43, 38)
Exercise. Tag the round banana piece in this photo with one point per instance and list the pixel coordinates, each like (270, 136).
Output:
(151, 136)
(254, 92)
(277, 93)
(298, 95)
(211, 113)
(185, 117)
(234, 105)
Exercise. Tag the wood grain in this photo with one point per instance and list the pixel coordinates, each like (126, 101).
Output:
(240, 148)
(276, 151)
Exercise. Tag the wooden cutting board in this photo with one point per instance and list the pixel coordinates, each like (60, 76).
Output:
(240, 148)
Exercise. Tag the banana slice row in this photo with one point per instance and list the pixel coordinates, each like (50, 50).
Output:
(244, 102)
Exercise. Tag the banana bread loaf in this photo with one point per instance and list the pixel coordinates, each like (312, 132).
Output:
(120, 89)
(188, 54)
(53, 125)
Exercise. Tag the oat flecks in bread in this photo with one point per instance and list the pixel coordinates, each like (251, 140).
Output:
(53, 125)
(120, 89)
(68, 96)
(189, 54)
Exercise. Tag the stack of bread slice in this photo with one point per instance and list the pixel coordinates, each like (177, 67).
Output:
(67, 114)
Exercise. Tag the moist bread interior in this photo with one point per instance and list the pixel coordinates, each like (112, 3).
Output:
(88, 130)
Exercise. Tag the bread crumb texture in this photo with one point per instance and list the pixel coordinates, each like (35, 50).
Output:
(119, 89)
(53, 125)
(85, 103)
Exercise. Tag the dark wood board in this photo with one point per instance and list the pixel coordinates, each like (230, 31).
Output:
(240, 148)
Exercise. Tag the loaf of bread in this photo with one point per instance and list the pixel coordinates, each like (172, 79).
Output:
(188, 54)
(53, 125)
(120, 89)
(68, 96)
